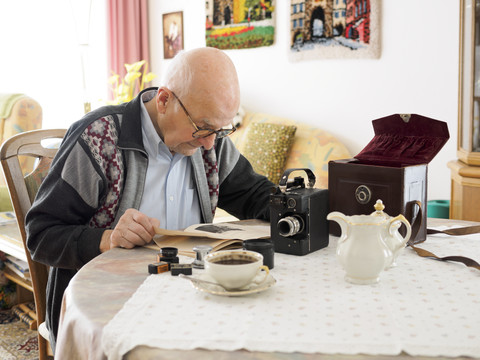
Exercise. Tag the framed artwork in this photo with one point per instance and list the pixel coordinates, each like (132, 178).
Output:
(334, 29)
(239, 24)
(172, 34)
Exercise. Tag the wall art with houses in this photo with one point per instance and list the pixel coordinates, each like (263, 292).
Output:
(334, 29)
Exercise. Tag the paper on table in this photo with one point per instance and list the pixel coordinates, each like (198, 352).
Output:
(219, 236)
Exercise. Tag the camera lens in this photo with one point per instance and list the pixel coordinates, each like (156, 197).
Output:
(290, 225)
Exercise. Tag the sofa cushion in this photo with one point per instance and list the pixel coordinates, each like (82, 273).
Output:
(312, 148)
(267, 147)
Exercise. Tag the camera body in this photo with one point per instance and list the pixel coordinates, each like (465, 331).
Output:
(298, 215)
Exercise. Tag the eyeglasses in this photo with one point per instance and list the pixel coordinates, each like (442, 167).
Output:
(203, 133)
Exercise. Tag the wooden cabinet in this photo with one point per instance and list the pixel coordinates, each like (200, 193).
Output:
(469, 84)
(465, 191)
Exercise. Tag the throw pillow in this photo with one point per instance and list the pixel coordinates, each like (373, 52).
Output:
(267, 146)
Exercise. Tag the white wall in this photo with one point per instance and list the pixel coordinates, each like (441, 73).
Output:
(417, 73)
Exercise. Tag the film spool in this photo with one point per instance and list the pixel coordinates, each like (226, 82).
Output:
(264, 247)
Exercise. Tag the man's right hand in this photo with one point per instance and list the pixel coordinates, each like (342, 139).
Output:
(133, 229)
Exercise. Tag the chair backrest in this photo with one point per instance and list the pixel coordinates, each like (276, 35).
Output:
(23, 188)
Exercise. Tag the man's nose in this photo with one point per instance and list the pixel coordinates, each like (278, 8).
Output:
(207, 142)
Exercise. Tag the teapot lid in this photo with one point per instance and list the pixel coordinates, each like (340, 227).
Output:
(379, 210)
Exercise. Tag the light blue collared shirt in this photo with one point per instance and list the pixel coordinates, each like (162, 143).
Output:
(170, 194)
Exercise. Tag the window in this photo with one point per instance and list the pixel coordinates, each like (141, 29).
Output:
(55, 46)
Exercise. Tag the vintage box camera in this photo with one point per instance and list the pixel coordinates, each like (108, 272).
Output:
(298, 223)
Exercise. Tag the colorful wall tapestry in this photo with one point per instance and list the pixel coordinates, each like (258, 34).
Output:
(334, 29)
(239, 24)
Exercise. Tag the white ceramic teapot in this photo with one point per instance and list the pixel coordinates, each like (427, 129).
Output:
(369, 243)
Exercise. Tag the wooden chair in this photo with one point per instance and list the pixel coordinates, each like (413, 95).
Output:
(23, 185)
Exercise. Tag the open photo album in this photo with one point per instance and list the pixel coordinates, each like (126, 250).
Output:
(220, 236)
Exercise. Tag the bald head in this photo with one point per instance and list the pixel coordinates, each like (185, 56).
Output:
(206, 76)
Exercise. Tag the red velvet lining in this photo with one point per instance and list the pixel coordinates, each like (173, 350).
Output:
(398, 143)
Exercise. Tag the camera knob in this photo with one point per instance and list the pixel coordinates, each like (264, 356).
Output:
(291, 203)
(363, 194)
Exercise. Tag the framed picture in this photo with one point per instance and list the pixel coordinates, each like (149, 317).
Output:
(232, 24)
(172, 34)
(334, 29)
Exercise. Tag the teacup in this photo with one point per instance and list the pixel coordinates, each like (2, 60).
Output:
(236, 269)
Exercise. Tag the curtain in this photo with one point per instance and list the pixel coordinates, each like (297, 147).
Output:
(127, 34)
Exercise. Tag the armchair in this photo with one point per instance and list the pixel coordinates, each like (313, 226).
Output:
(18, 113)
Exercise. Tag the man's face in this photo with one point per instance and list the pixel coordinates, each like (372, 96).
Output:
(177, 129)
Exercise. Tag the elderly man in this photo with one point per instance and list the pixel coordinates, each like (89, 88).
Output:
(163, 159)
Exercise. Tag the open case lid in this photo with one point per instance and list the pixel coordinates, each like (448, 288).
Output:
(404, 139)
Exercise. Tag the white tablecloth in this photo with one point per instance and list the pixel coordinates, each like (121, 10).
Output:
(422, 306)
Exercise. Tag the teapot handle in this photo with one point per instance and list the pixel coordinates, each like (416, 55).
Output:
(405, 222)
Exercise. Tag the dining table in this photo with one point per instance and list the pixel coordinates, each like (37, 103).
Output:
(421, 308)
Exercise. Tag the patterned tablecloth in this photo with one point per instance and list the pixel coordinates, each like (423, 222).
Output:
(421, 307)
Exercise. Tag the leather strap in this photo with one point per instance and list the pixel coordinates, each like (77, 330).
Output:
(467, 230)
(416, 221)
(425, 253)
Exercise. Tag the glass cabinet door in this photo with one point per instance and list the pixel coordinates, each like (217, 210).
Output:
(469, 86)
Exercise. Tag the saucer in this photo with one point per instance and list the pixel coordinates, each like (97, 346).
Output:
(218, 290)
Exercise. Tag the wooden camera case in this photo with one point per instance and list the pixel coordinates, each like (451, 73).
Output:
(393, 168)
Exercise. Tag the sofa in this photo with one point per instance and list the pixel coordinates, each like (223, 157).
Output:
(273, 144)
(308, 146)
(18, 113)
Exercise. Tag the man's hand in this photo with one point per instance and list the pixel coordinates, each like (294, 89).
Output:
(133, 229)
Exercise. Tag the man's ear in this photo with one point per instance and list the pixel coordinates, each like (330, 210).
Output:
(162, 98)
